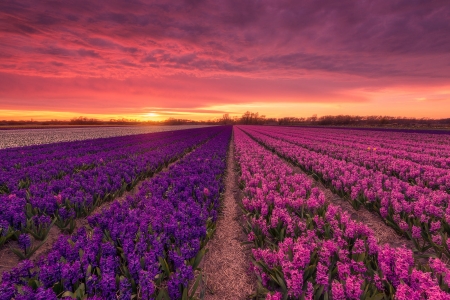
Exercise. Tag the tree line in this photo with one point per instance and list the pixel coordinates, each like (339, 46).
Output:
(339, 120)
(254, 118)
(349, 120)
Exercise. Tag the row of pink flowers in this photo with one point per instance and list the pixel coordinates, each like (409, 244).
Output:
(408, 142)
(426, 149)
(421, 214)
(306, 248)
(418, 168)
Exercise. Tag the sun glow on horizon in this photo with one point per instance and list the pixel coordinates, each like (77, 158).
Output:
(151, 115)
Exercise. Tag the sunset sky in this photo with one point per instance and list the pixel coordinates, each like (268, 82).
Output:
(198, 59)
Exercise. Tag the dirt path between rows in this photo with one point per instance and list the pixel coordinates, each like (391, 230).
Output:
(226, 274)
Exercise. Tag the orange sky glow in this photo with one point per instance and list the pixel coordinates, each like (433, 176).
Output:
(199, 59)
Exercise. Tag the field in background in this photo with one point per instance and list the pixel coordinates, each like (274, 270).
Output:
(37, 136)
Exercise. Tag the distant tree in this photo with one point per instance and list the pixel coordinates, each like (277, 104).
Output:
(246, 117)
(84, 121)
(226, 119)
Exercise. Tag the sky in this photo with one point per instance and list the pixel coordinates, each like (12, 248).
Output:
(199, 59)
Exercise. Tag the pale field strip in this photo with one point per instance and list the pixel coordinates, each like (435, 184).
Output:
(29, 137)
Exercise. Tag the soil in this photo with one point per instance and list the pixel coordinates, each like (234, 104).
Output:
(9, 260)
(225, 267)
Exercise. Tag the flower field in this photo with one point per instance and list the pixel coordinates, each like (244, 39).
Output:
(411, 197)
(150, 243)
(28, 137)
(56, 183)
(147, 246)
(305, 248)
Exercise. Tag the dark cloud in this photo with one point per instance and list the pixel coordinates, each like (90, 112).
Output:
(22, 28)
(364, 38)
(89, 53)
(57, 63)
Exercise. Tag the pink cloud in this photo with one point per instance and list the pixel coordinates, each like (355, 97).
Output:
(191, 54)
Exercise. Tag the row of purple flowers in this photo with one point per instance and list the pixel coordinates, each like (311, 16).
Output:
(26, 166)
(147, 246)
(35, 208)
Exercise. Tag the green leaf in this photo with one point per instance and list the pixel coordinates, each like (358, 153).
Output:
(33, 284)
(80, 292)
(162, 295)
(309, 271)
(197, 282)
(378, 296)
(319, 292)
(18, 253)
(164, 265)
(68, 294)
(198, 258)
(282, 284)
(184, 296)
(58, 288)
(361, 256)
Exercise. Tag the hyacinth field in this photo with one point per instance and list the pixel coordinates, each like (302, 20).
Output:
(133, 214)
